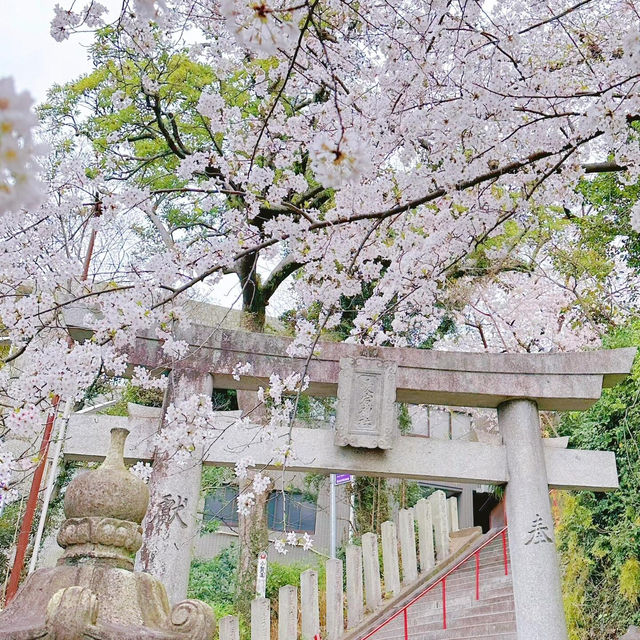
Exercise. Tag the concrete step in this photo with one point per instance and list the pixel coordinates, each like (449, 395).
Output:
(472, 616)
(460, 611)
(471, 627)
(462, 618)
(488, 629)
(489, 574)
(487, 592)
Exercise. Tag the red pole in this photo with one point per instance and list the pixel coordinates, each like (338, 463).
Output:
(406, 625)
(504, 552)
(32, 503)
(444, 603)
(87, 259)
(477, 575)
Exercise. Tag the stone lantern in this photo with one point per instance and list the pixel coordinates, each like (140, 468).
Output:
(93, 592)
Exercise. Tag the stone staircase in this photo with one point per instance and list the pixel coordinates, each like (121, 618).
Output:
(491, 617)
(400, 602)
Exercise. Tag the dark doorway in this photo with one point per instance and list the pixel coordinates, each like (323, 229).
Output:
(483, 504)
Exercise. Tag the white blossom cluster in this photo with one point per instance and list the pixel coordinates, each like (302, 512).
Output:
(246, 501)
(512, 314)
(141, 378)
(241, 467)
(188, 423)
(337, 164)
(174, 349)
(241, 369)
(302, 344)
(292, 539)
(263, 28)
(279, 399)
(66, 21)
(278, 386)
(142, 470)
(259, 485)
(26, 421)
(7, 493)
(19, 184)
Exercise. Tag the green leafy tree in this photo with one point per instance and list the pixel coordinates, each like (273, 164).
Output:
(598, 534)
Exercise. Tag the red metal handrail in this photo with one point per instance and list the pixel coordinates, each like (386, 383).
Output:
(443, 580)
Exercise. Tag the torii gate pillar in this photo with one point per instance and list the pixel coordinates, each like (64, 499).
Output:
(171, 522)
(534, 562)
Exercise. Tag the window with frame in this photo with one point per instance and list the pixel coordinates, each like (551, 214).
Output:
(291, 510)
(222, 505)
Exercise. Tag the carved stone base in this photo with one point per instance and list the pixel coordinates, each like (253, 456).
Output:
(113, 541)
(98, 602)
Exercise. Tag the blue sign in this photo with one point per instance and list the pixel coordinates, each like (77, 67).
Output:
(343, 478)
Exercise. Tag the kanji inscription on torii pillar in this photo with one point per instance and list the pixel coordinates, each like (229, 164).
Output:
(366, 413)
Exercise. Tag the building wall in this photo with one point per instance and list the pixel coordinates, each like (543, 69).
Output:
(447, 424)
(211, 544)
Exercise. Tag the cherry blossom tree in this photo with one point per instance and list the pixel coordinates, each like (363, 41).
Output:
(418, 149)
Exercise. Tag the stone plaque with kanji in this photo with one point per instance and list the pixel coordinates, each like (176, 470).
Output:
(366, 414)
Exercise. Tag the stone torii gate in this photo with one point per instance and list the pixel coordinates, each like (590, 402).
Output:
(367, 382)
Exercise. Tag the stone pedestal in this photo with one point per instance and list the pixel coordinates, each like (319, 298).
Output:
(93, 593)
(309, 604)
(371, 566)
(534, 562)
(171, 524)
(390, 558)
(335, 600)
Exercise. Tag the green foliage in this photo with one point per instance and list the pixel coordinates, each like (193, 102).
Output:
(214, 581)
(404, 418)
(630, 580)
(407, 493)
(576, 566)
(8, 531)
(312, 482)
(136, 395)
(597, 533)
(310, 409)
(371, 502)
(609, 220)
(280, 575)
(214, 478)
(224, 399)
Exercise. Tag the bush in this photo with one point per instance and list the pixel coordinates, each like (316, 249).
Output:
(214, 581)
(280, 575)
(136, 395)
(598, 534)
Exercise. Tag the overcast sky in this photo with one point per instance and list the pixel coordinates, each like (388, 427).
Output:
(31, 55)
